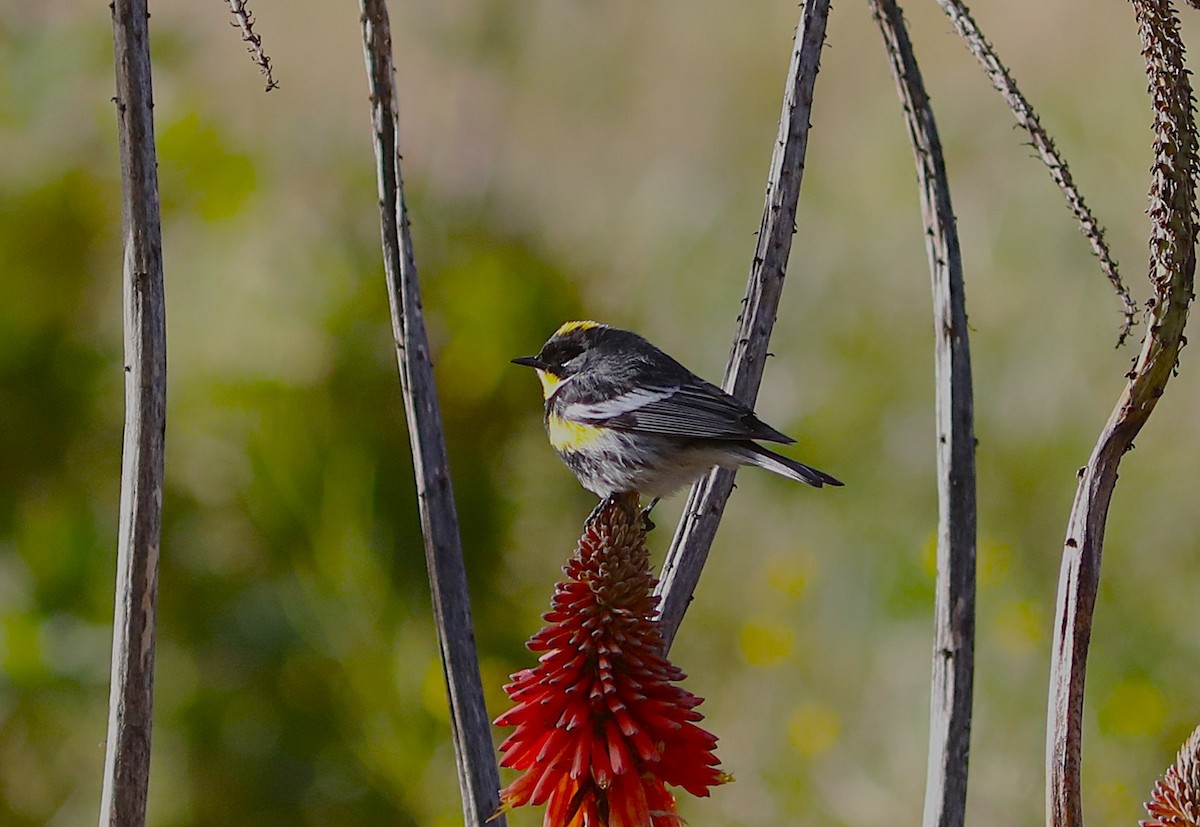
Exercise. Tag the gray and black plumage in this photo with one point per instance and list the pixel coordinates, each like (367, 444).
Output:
(624, 416)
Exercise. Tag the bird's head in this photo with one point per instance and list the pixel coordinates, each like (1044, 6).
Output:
(564, 354)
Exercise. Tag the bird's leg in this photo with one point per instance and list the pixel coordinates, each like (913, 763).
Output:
(647, 523)
(596, 511)
(628, 502)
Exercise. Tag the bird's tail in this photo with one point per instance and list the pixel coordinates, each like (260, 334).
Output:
(753, 454)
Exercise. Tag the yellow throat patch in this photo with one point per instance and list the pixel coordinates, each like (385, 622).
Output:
(549, 381)
(566, 435)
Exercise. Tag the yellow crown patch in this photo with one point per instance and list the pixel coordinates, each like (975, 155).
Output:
(568, 327)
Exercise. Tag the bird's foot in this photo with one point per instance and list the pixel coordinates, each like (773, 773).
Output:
(595, 514)
(647, 523)
(628, 502)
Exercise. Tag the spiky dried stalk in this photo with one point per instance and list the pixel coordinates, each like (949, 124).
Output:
(244, 20)
(1172, 271)
(1027, 118)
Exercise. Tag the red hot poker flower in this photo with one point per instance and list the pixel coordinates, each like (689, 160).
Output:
(601, 729)
(1176, 798)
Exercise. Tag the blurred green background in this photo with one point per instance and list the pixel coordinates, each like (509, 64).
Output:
(569, 158)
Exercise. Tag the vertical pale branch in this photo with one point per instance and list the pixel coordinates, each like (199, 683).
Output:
(1027, 118)
(477, 774)
(954, 614)
(706, 502)
(1172, 271)
(127, 754)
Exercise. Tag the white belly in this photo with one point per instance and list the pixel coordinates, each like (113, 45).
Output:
(651, 465)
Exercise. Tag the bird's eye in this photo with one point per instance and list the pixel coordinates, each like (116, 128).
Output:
(568, 355)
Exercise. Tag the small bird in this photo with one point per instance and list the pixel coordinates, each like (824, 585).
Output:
(626, 417)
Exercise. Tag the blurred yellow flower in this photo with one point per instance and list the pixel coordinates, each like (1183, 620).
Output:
(813, 727)
(765, 641)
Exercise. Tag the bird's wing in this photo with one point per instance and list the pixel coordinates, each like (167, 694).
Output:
(695, 409)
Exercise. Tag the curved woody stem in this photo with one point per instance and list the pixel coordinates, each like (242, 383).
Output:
(954, 612)
(1172, 272)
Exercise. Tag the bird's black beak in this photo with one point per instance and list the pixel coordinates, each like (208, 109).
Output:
(529, 362)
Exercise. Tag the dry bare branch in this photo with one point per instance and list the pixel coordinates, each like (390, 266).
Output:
(244, 20)
(706, 502)
(954, 614)
(477, 774)
(1002, 79)
(1172, 273)
(127, 754)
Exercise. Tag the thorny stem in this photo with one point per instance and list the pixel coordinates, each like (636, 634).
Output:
(706, 502)
(244, 20)
(1027, 118)
(1172, 274)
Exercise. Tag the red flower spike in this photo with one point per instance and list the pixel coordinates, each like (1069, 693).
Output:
(1176, 798)
(601, 727)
